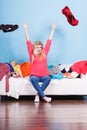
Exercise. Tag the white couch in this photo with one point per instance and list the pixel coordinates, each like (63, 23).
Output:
(22, 86)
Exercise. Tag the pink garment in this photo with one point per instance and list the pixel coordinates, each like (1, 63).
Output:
(4, 70)
(39, 67)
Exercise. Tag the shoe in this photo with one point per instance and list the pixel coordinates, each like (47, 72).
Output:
(37, 98)
(47, 99)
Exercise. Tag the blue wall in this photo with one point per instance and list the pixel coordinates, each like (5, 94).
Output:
(69, 42)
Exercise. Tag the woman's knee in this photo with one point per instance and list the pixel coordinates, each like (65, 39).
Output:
(49, 78)
(33, 78)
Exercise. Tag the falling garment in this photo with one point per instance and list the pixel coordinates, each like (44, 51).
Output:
(70, 17)
(8, 27)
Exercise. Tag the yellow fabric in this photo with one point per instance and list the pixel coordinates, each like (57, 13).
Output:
(16, 68)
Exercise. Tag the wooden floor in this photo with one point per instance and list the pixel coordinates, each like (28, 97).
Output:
(57, 115)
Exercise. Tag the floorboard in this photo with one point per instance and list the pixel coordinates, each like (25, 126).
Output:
(57, 115)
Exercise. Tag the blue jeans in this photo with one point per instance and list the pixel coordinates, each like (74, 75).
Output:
(45, 80)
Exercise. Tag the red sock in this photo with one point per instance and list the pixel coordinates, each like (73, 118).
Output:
(70, 17)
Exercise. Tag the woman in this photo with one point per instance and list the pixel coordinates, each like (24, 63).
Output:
(38, 64)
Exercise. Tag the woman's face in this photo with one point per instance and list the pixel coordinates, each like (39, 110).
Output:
(38, 49)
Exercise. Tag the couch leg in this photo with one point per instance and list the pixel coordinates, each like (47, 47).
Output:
(2, 97)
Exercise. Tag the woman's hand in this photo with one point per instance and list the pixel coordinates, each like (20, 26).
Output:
(25, 26)
(53, 26)
(52, 31)
(26, 31)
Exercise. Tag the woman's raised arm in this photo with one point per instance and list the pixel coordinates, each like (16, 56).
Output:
(26, 32)
(52, 31)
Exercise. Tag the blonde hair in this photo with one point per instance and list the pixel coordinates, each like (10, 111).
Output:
(37, 43)
(34, 46)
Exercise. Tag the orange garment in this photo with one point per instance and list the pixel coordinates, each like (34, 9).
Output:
(67, 75)
(25, 69)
